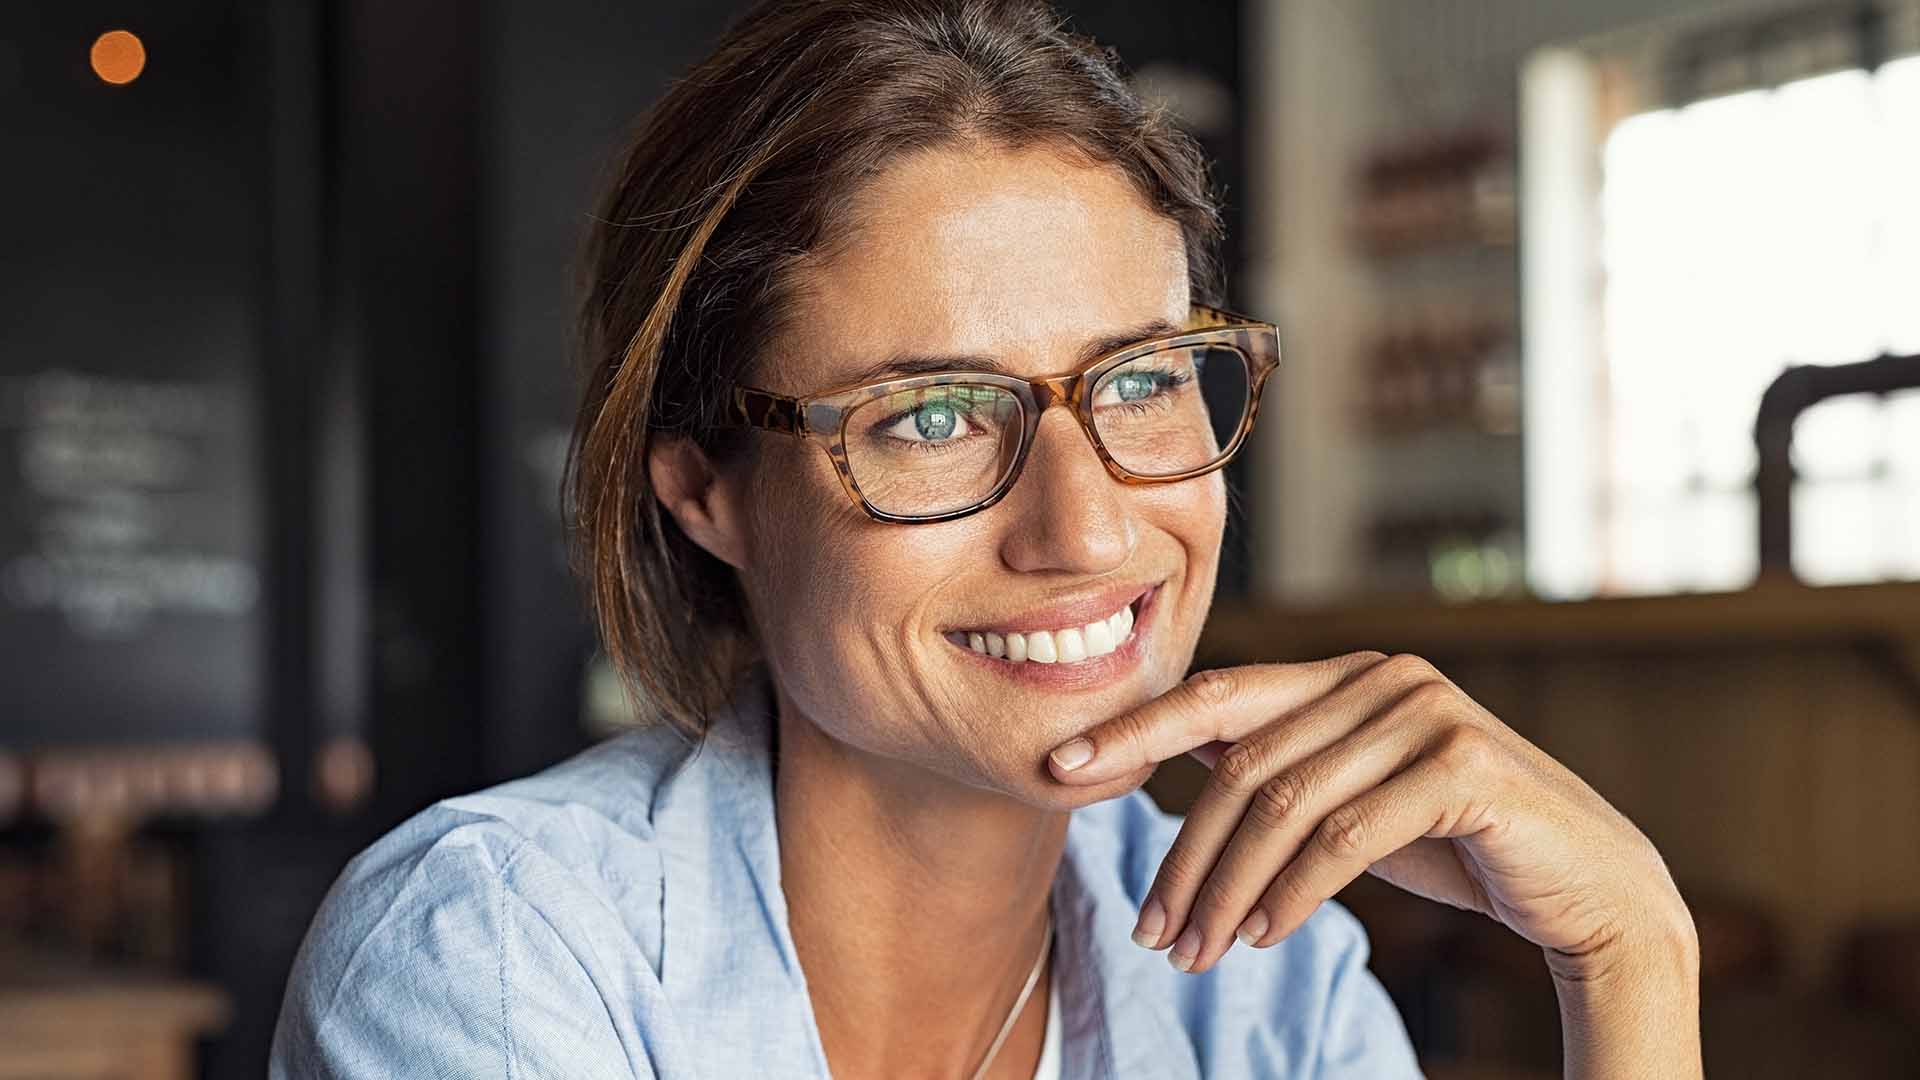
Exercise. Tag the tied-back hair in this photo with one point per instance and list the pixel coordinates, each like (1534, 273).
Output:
(746, 166)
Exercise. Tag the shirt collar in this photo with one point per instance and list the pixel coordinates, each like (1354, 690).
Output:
(714, 821)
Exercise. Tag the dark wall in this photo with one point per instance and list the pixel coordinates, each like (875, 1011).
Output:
(565, 82)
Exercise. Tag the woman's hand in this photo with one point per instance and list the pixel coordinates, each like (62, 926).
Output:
(1373, 763)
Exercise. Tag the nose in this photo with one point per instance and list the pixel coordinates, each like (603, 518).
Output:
(1067, 512)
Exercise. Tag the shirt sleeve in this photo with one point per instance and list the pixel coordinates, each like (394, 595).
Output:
(424, 962)
(1364, 1034)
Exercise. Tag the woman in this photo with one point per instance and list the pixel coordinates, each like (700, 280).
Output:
(887, 821)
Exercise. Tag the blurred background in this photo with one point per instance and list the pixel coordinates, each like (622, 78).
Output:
(1601, 392)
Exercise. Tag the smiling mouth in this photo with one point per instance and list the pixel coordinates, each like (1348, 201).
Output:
(1062, 645)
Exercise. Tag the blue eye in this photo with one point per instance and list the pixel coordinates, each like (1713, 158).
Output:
(1133, 385)
(1139, 388)
(935, 421)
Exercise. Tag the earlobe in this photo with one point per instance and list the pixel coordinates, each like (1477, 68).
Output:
(695, 492)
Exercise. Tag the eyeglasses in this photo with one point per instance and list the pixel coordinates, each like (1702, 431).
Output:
(936, 447)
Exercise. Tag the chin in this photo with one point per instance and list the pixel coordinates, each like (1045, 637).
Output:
(1054, 795)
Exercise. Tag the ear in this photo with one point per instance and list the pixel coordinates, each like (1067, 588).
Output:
(700, 497)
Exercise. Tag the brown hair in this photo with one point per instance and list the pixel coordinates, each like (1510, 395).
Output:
(745, 167)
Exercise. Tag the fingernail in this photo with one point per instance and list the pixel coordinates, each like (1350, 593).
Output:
(1070, 756)
(1153, 920)
(1185, 949)
(1252, 930)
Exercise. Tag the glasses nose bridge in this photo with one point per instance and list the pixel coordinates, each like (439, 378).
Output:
(1061, 390)
(1057, 390)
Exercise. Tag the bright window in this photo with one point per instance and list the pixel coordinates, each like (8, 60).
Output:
(1736, 236)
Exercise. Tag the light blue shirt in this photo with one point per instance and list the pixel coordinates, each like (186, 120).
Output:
(620, 915)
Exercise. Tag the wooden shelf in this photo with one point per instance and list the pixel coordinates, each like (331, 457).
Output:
(1768, 612)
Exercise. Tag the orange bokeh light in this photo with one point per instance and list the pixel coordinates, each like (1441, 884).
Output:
(118, 57)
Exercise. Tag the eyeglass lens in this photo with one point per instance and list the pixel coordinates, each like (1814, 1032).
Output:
(944, 448)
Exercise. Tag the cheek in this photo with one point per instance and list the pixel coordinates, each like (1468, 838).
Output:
(838, 599)
(1206, 528)
(797, 513)
(1214, 495)
(828, 583)
(1194, 515)
(1194, 512)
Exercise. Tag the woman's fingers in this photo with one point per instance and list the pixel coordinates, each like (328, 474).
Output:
(1280, 820)
(1210, 753)
(1221, 704)
(1248, 782)
(1424, 800)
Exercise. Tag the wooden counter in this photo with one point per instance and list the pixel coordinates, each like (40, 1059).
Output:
(60, 1021)
(1776, 613)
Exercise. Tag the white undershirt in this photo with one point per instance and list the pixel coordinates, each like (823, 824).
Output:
(1049, 1067)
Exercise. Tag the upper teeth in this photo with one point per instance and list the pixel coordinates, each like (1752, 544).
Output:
(1063, 646)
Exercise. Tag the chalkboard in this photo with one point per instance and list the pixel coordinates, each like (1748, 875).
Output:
(130, 345)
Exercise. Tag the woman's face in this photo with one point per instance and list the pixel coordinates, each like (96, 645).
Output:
(1029, 259)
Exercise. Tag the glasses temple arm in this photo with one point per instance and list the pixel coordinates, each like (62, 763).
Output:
(1203, 316)
(761, 409)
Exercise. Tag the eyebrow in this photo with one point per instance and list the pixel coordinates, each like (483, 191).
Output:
(904, 364)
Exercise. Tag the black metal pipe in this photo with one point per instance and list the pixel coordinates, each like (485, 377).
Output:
(1797, 389)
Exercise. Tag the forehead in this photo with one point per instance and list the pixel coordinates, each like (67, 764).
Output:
(1022, 256)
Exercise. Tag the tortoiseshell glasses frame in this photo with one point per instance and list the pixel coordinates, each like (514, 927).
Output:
(823, 416)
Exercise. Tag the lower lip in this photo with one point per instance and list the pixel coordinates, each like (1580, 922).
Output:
(1081, 674)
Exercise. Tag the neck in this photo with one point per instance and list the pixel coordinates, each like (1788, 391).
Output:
(917, 907)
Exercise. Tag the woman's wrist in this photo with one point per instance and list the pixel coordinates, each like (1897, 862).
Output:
(1631, 1007)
